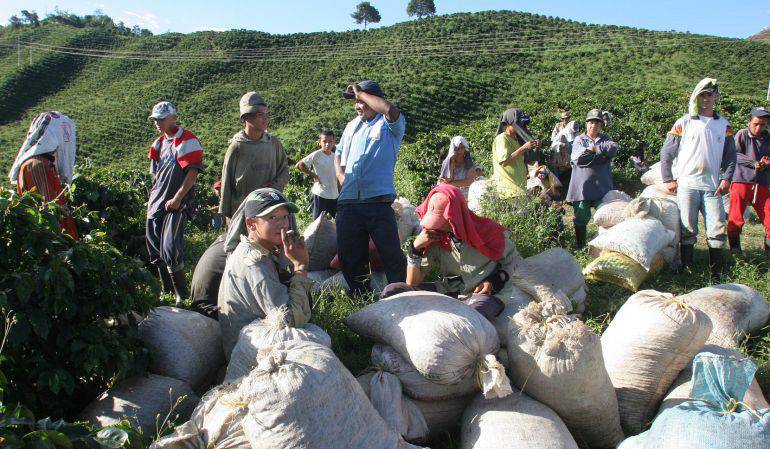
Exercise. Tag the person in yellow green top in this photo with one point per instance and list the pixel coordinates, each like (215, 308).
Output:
(513, 141)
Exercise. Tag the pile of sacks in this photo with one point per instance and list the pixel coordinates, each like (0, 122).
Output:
(433, 355)
(436, 362)
(637, 238)
(186, 354)
(321, 239)
(284, 388)
(661, 355)
(666, 368)
(537, 376)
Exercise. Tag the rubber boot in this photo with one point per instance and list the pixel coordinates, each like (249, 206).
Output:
(686, 252)
(580, 236)
(180, 286)
(166, 285)
(735, 245)
(716, 263)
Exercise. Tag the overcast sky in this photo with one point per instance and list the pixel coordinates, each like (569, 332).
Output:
(723, 18)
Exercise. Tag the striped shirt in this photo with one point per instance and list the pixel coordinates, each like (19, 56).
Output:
(170, 159)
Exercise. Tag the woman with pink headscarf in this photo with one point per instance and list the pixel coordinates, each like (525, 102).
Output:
(473, 254)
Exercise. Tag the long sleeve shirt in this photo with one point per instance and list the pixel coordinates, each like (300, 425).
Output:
(251, 286)
(700, 147)
(749, 150)
(250, 165)
(463, 267)
(591, 171)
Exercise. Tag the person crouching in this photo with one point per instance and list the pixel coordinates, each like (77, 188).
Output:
(266, 266)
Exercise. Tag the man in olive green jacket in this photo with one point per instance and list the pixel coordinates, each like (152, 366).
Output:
(254, 159)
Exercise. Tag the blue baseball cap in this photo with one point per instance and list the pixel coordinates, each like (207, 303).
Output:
(368, 86)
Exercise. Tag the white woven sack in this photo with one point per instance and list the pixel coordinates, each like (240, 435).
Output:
(559, 268)
(513, 422)
(265, 333)
(609, 214)
(478, 190)
(671, 256)
(336, 282)
(638, 238)
(320, 276)
(614, 195)
(215, 424)
(653, 176)
(141, 399)
(735, 310)
(321, 240)
(665, 210)
(557, 360)
(406, 218)
(652, 338)
(657, 191)
(414, 384)
(185, 344)
(518, 301)
(682, 387)
(398, 411)
(444, 339)
(300, 396)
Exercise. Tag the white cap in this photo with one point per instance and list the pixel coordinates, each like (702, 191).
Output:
(162, 110)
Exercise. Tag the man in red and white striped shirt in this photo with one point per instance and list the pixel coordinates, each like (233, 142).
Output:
(176, 158)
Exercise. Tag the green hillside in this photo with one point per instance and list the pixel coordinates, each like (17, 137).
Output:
(446, 70)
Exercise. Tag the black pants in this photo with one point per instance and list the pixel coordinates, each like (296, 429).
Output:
(165, 240)
(358, 222)
(207, 276)
(321, 205)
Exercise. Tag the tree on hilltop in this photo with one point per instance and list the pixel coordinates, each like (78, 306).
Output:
(366, 13)
(15, 22)
(421, 8)
(31, 18)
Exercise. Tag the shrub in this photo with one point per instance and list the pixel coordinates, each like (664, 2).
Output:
(532, 224)
(69, 298)
(114, 201)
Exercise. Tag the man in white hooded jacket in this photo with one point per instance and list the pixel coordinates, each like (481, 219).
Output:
(701, 146)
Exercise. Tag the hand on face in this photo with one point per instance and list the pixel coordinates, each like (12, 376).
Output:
(295, 249)
(427, 237)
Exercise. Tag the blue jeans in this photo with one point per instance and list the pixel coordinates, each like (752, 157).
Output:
(691, 203)
(356, 223)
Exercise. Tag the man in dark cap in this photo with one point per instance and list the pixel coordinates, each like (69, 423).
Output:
(751, 180)
(267, 267)
(367, 156)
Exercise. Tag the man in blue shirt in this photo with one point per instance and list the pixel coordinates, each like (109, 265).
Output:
(367, 156)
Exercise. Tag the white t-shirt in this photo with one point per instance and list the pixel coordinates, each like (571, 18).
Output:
(700, 151)
(322, 164)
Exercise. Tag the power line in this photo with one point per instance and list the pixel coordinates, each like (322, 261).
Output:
(352, 46)
(300, 54)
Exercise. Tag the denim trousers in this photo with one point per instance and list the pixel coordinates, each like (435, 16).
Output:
(356, 224)
(693, 202)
